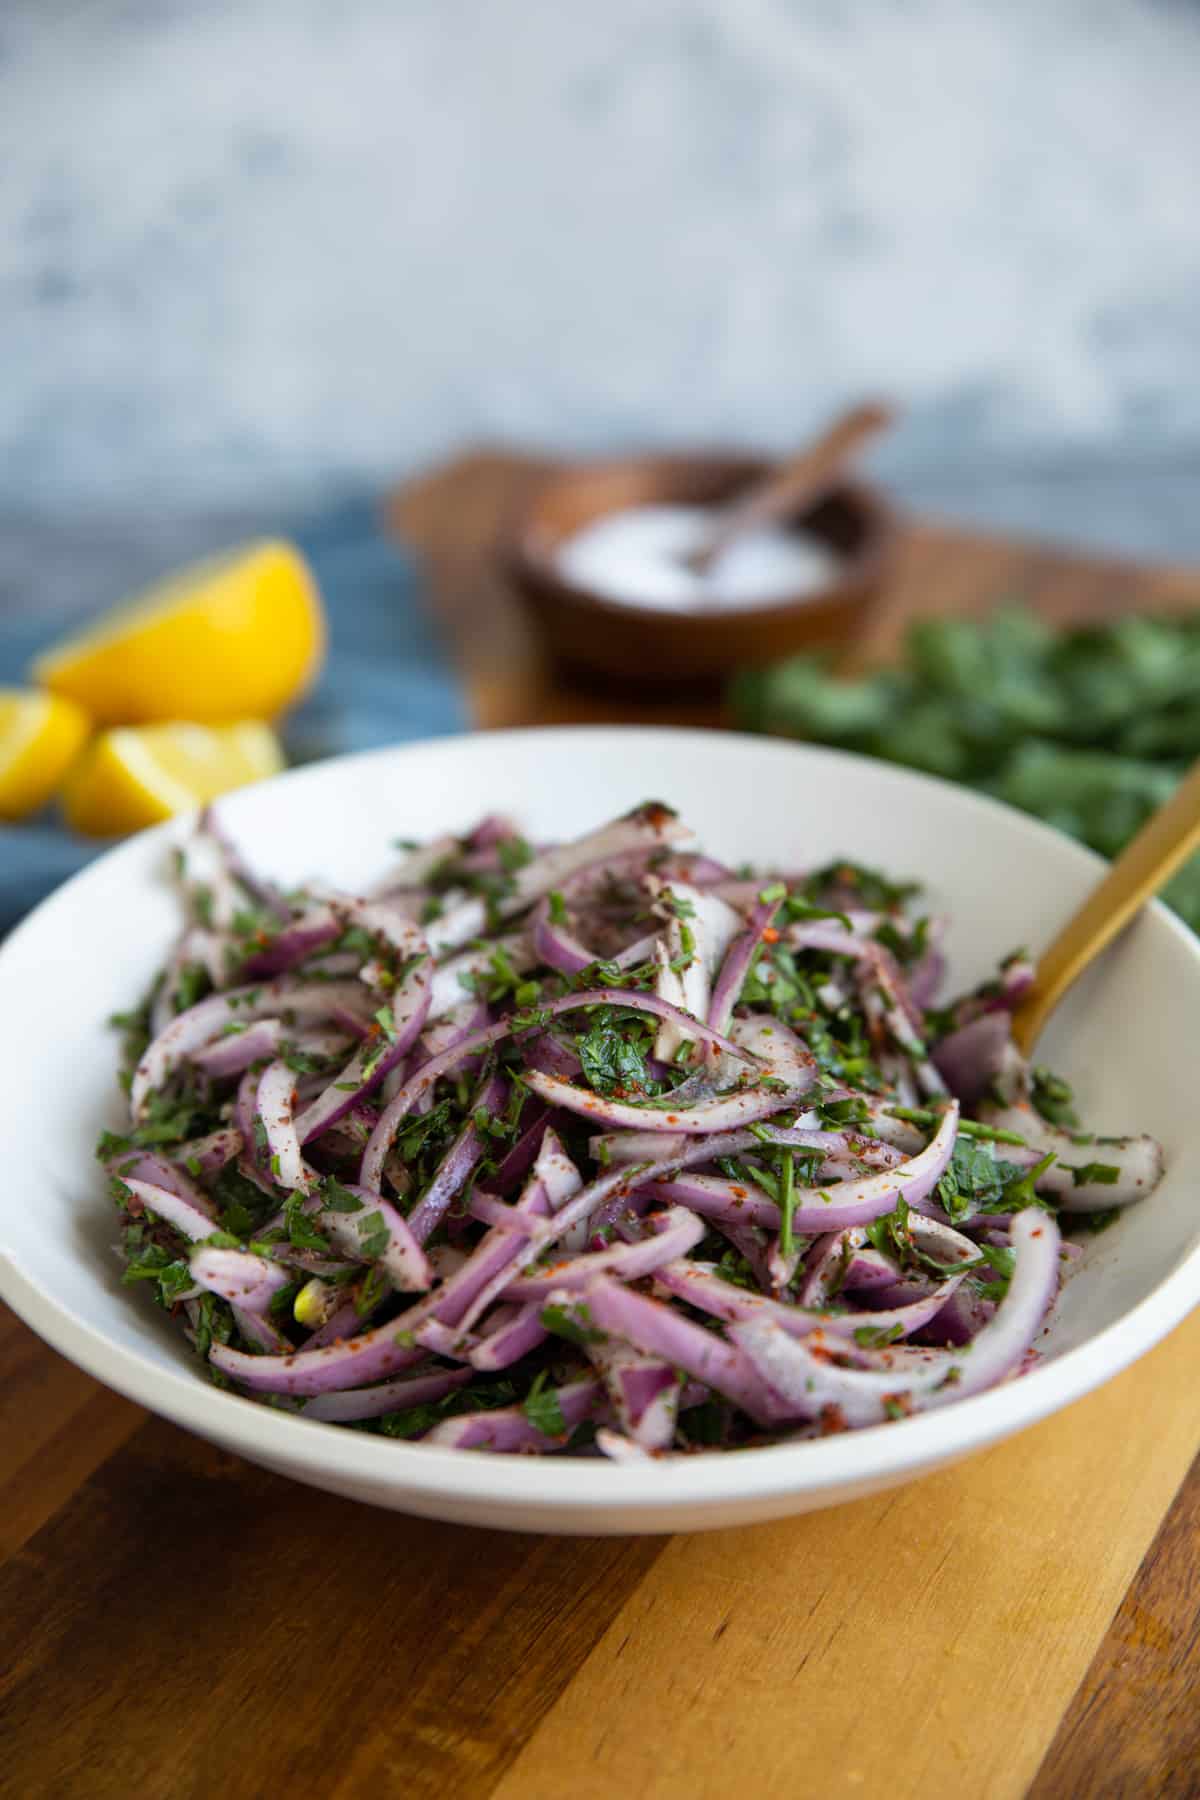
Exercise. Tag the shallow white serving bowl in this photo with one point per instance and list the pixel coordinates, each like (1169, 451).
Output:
(1126, 1037)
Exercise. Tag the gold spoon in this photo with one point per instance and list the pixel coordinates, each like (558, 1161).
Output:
(1165, 841)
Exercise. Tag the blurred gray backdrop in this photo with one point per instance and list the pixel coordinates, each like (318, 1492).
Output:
(255, 252)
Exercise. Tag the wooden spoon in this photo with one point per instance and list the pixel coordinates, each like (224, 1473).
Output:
(793, 486)
(1150, 859)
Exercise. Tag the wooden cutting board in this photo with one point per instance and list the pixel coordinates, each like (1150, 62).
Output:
(176, 1623)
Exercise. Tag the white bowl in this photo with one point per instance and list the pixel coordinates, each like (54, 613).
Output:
(1126, 1037)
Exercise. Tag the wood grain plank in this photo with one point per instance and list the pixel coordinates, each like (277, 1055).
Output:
(55, 1423)
(1133, 1726)
(206, 1627)
(920, 1643)
(45, 1479)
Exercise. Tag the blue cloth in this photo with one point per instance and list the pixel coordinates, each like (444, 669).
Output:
(386, 677)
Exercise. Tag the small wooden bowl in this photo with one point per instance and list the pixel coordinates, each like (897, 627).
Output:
(588, 630)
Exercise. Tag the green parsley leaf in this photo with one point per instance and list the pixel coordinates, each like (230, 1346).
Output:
(542, 1409)
(573, 1324)
(374, 1235)
(1104, 1174)
(612, 1060)
(874, 1337)
(338, 1199)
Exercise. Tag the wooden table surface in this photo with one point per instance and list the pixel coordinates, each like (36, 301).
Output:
(174, 1622)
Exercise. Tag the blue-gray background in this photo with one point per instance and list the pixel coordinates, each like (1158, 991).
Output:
(254, 255)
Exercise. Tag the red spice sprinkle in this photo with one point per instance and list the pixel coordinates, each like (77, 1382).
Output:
(833, 1419)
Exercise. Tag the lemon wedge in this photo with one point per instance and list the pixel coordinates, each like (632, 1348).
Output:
(137, 775)
(239, 636)
(40, 736)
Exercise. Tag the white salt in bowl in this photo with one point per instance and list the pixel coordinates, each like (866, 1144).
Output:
(1126, 1037)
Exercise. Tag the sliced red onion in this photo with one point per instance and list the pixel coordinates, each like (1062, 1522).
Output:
(702, 1287)
(1003, 993)
(451, 1175)
(803, 1372)
(716, 1197)
(926, 977)
(661, 1332)
(346, 1322)
(620, 1449)
(209, 1155)
(518, 1161)
(643, 829)
(450, 989)
(188, 1220)
(195, 947)
(644, 1392)
(245, 1280)
(274, 1105)
(160, 1171)
(633, 1146)
(491, 1211)
(1137, 1161)
(399, 1108)
(367, 1068)
(439, 1034)
(961, 1319)
(193, 1029)
(483, 1277)
(386, 1349)
(515, 1338)
(971, 1057)
(461, 919)
(678, 1231)
(723, 1114)
(737, 964)
(236, 1050)
(507, 1430)
(548, 1054)
(263, 892)
(868, 1270)
(402, 1256)
(417, 867)
(689, 954)
(842, 1205)
(291, 946)
(751, 1246)
(826, 1264)
(389, 1396)
(777, 1047)
(347, 1363)
(255, 1329)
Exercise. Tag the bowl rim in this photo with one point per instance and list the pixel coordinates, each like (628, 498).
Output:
(530, 567)
(872, 1456)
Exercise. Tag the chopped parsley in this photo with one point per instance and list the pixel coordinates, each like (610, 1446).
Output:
(542, 1409)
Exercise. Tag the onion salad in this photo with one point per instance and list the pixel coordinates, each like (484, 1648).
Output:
(596, 1148)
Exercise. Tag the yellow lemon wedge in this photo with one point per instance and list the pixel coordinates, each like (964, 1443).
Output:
(40, 736)
(137, 775)
(237, 637)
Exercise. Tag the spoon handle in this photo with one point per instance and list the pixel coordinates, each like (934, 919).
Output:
(794, 485)
(1166, 840)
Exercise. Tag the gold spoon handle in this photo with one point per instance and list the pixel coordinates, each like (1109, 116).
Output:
(1150, 859)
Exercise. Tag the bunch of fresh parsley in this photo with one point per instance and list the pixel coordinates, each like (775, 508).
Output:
(1088, 727)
